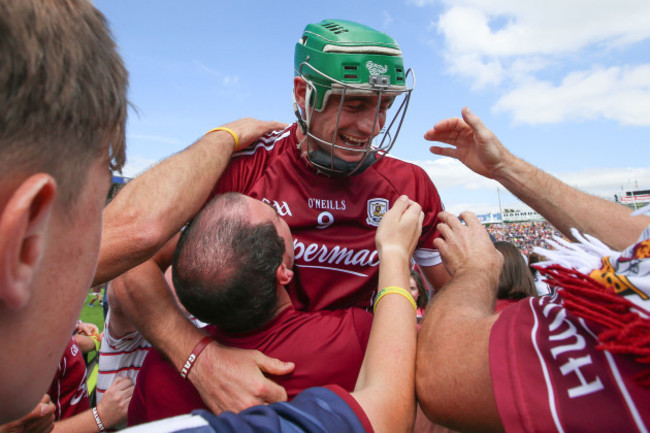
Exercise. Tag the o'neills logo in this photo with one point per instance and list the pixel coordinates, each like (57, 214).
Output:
(316, 203)
(377, 207)
(316, 253)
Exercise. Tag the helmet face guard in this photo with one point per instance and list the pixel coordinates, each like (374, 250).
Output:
(350, 60)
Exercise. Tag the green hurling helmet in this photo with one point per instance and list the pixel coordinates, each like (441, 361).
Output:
(349, 59)
(349, 53)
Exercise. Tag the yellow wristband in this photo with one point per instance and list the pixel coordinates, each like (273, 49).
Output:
(228, 130)
(398, 290)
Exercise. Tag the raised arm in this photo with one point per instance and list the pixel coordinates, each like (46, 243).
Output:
(453, 380)
(226, 378)
(153, 207)
(565, 207)
(385, 387)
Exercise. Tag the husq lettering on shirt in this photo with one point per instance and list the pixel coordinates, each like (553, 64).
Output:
(565, 339)
(336, 255)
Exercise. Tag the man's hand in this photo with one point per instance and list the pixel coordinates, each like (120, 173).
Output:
(248, 130)
(230, 379)
(467, 246)
(115, 403)
(87, 328)
(39, 420)
(474, 144)
(400, 228)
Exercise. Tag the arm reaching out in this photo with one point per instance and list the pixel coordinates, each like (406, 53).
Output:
(565, 207)
(385, 387)
(453, 381)
(153, 207)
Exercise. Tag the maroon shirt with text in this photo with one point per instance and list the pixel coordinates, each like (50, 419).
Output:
(333, 219)
(548, 375)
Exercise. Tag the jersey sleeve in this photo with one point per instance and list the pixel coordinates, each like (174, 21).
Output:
(428, 197)
(246, 167)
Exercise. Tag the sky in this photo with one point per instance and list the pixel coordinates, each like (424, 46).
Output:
(565, 85)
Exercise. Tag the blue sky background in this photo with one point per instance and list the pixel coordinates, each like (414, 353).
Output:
(564, 85)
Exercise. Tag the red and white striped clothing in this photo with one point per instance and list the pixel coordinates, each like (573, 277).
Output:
(119, 357)
(333, 219)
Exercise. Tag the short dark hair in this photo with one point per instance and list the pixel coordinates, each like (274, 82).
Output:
(516, 280)
(63, 90)
(224, 267)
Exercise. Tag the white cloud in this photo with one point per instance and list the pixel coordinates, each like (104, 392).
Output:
(230, 80)
(513, 43)
(421, 3)
(534, 27)
(621, 94)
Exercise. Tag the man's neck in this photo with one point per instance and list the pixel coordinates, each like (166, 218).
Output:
(284, 301)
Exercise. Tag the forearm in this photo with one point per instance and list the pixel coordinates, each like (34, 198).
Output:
(454, 343)
(385, 388)
(83, 422)
(566, 207)
(149, 305)
(155, 205)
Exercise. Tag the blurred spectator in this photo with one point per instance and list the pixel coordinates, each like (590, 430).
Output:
(515, 282)
(419, 293)
(524, 236)
(542, 286)
(97, 292)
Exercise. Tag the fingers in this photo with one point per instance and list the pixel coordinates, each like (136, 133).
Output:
(273, 366)
(470, 219)
(450, 152)
(274, 392)
(450, 220)
(475, 123)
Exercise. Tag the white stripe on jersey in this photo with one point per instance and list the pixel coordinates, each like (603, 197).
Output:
(178, 423)
(267, 142)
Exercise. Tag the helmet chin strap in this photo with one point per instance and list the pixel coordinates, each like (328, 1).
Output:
(334, 166)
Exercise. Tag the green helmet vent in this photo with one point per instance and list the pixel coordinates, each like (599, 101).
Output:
(335, 28)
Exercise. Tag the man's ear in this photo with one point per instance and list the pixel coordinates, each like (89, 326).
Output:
(283, 274)
(23, 223)
(300, 91)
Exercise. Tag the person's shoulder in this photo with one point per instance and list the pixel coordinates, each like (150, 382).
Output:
(390, 164)
(269, 145)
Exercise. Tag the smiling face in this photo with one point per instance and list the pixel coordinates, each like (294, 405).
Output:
(360, 120)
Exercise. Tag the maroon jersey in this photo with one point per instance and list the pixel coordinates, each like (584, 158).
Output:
(68, 390)
(327, 348)
(548, 375)
(332, 219)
